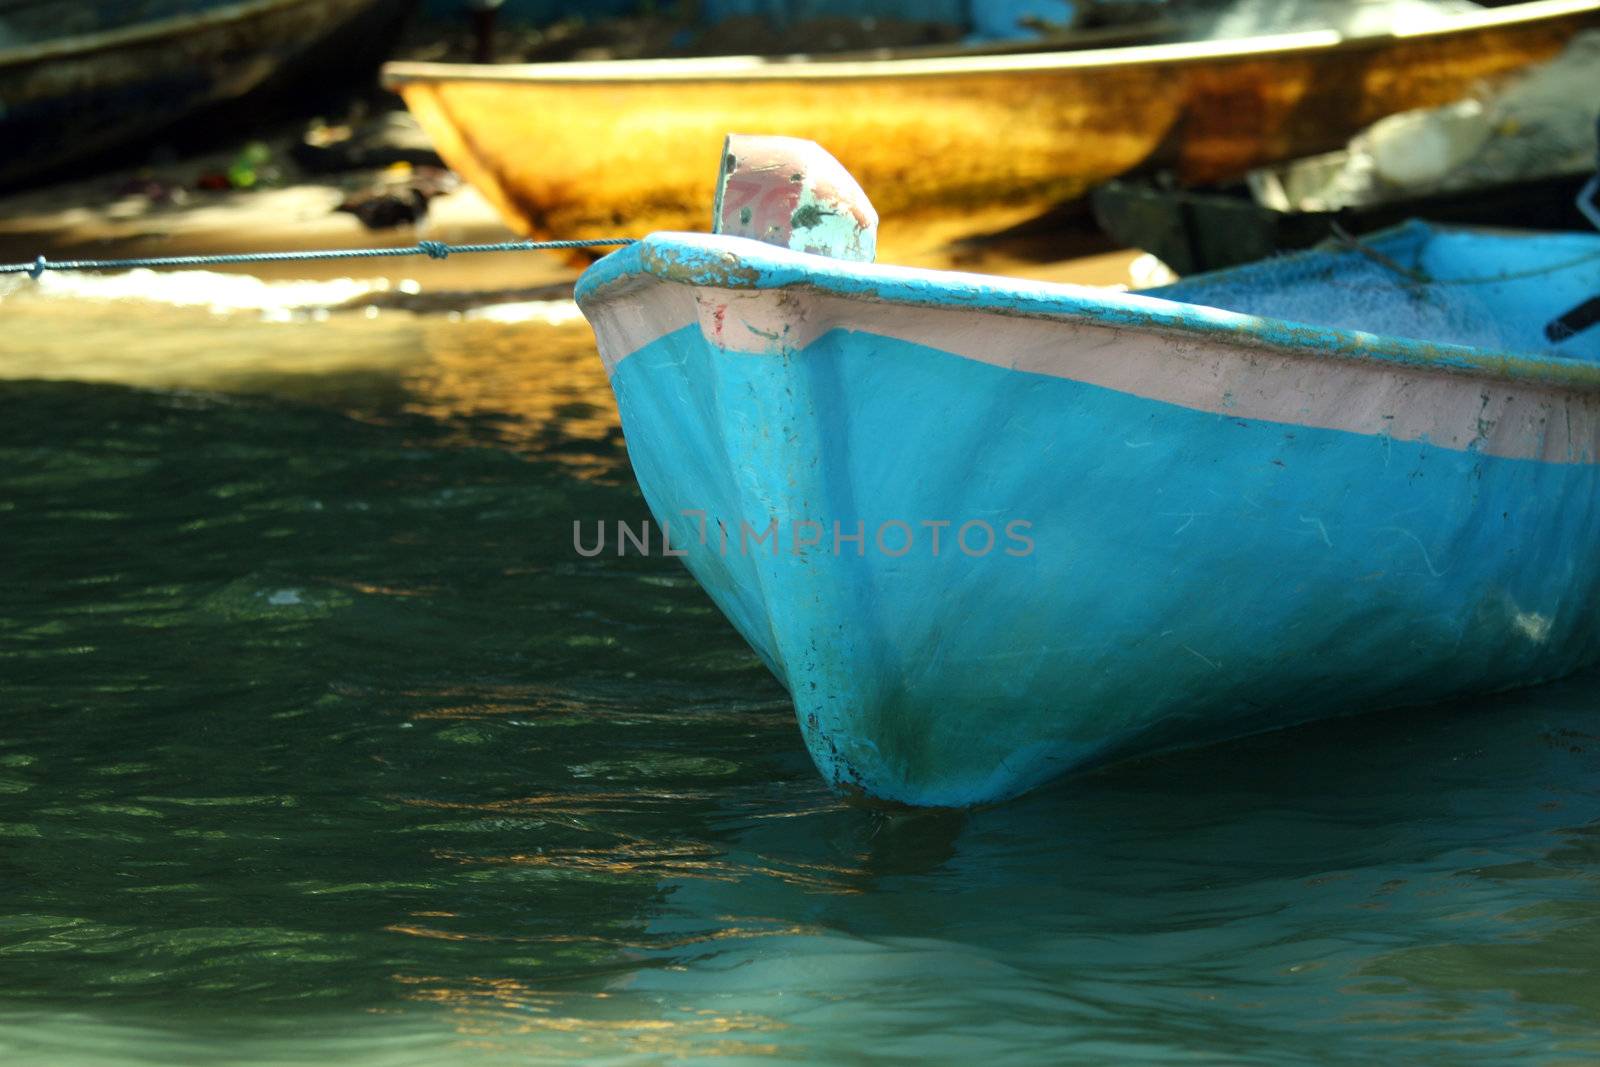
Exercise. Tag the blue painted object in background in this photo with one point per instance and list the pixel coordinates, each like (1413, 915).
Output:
(1229, 523)
(991, 18)
(1005, 19)
(537, 12)
(783, 12)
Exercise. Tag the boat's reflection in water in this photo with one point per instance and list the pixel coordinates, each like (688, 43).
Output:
(1319, 895)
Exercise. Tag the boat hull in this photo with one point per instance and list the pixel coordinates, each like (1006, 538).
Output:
(80, 97)
(1203, 525)
(954, 146)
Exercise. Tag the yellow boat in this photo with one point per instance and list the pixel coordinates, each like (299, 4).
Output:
(960, 144)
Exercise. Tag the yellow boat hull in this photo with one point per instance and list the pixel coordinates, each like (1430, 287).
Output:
(958, 144)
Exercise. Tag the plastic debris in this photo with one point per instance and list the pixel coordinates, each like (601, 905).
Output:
(250, 166)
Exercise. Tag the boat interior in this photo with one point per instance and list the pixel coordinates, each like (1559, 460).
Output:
(1482, 288)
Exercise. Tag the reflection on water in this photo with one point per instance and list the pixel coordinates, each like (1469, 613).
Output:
(523, 375)
(321, 745)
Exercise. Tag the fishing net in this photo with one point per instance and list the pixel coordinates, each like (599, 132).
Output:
(1484, 291)
(1228, 19)
(1358, 295)
(1539, 124)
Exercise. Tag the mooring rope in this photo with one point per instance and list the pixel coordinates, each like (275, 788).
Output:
(431, 249)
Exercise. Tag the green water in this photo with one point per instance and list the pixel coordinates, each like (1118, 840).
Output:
(321, 745)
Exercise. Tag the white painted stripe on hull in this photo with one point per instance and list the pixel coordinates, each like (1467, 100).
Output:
(1293, 386)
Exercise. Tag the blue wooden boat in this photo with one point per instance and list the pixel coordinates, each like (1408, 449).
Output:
(80, 80)
(1350, 479)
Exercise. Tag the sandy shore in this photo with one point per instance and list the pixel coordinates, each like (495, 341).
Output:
(88, 219)
(82, 220)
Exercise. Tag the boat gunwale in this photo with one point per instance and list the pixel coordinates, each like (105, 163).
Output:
(703, 261)
(84, 44)
(400, 75)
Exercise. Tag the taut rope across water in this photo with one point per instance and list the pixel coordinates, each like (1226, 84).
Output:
(431, 249)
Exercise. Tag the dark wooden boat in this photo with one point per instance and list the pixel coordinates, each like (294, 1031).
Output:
(80, 80)
(1192, 230)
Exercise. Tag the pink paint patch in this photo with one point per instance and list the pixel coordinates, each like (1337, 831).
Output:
(758, 204)
(791, 193)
